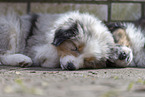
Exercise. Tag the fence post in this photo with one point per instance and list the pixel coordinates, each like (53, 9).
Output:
(28, 6)
(142, 9)
(109, 10)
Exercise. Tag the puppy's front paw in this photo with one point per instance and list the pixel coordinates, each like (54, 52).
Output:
(16, 60)
(122, 57)
(24, 63)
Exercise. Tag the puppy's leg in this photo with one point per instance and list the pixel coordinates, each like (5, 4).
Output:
(16, 60)
(44, 56)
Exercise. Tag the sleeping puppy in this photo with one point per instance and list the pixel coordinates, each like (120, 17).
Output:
(72, 41)
(14, 31)
(130, 36)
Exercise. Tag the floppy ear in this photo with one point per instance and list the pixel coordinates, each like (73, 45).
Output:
(113, 26)
(62, 34)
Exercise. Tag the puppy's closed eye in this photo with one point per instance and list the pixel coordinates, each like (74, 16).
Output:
(74, 49)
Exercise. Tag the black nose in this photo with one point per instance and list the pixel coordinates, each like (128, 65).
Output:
(122, 56)
(70, 66)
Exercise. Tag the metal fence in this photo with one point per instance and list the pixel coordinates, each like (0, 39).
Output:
(105, 2)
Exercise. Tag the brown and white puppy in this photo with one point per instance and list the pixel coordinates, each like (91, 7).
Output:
(130, 36)
(71, 41)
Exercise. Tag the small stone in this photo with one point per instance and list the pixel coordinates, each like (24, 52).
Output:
(140, 89)
(18, 72)
(44, 72)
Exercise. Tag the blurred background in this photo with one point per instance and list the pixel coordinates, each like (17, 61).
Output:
(107, 10)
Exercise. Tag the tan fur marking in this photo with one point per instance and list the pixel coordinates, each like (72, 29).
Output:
(66, 48)
(121, 37)
(81, 47)
(92, 62)
(89, 59)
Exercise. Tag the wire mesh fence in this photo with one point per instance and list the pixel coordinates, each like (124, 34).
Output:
(115, 10)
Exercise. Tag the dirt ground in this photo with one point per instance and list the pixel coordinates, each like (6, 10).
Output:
(45, 82)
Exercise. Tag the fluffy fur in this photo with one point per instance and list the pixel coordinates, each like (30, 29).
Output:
(127, 34)
(74, 40)
(71, 41)
(13, 34)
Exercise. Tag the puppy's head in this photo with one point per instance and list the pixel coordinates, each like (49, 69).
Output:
(78, 45)
(123, 54)
(118, 31)
(74, 52)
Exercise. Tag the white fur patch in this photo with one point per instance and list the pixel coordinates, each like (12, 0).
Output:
(47, 56)
(16, 60)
